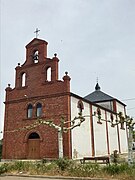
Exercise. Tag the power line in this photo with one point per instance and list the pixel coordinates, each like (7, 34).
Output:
(131, 99)
(131, 108)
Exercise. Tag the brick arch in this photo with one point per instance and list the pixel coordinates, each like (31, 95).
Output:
(32, 131)
(34, 50)
(20, 77)
(26, 104)
(39, 101)
(46, 67)
(34, 103)
(23, 71)
(44, 71)
(43, 108)
(35, 55)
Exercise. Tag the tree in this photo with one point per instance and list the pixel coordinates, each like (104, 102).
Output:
(134, 135)
(130, 123)
(77, 121)
(61, 128)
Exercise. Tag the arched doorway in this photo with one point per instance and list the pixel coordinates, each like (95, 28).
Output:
(33, 146)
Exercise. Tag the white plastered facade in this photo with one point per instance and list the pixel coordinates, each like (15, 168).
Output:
(105, 137)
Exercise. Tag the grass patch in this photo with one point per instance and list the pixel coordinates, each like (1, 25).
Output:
(3, 168)
(121, 171)
(63, 163)
(70, 168)
(85, 170)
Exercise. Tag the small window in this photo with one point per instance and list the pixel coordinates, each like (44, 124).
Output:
(23, 79)
(35, 57)
(39, 110)
(29, 111)
(48, 73)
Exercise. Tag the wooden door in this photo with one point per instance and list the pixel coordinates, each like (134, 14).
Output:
(33, 149)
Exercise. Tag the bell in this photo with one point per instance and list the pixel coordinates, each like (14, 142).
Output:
(35, 57)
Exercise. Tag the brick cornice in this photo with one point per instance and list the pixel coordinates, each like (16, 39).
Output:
(38, 97)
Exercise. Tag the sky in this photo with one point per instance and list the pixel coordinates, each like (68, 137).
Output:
(93, 39)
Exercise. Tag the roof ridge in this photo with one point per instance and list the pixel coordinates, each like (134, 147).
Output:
(98, 96)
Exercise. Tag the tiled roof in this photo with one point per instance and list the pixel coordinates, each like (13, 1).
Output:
(98, 95)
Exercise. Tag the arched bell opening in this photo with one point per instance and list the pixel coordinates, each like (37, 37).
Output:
(36, 56)
(23, 79)
(48, 74)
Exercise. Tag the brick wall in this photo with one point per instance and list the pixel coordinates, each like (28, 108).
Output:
(54, 97)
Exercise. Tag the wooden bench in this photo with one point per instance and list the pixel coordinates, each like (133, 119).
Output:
(97, 159)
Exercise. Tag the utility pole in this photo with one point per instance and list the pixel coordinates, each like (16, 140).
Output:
(130, 125)
(130, 144)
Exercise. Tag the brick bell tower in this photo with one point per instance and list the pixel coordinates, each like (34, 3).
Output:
(37, 94)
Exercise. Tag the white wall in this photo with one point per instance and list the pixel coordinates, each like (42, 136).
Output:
(81, 137)
(108, 104)
(113, 135)
(100, 138)
(120, 108)
(122, 132)
(123, 139)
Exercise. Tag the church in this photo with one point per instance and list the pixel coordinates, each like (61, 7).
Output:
(39, 93)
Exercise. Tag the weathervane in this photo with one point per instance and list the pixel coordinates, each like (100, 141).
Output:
(37, 30)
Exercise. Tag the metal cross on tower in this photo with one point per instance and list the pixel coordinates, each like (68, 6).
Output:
(97, 79)
(37, 30)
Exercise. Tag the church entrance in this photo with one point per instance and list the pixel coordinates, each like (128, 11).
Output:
(33, 146)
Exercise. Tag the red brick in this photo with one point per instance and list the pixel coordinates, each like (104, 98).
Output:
(54, 97)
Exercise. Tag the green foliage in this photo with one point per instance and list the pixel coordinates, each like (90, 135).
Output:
(3, 168)
(39, 168)
(134, 135)
(44, 161)
(19, 166)
(69, 168)
(31, 167)
(85, 170)
(63, 163)
(119, 169)
(42, 168)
